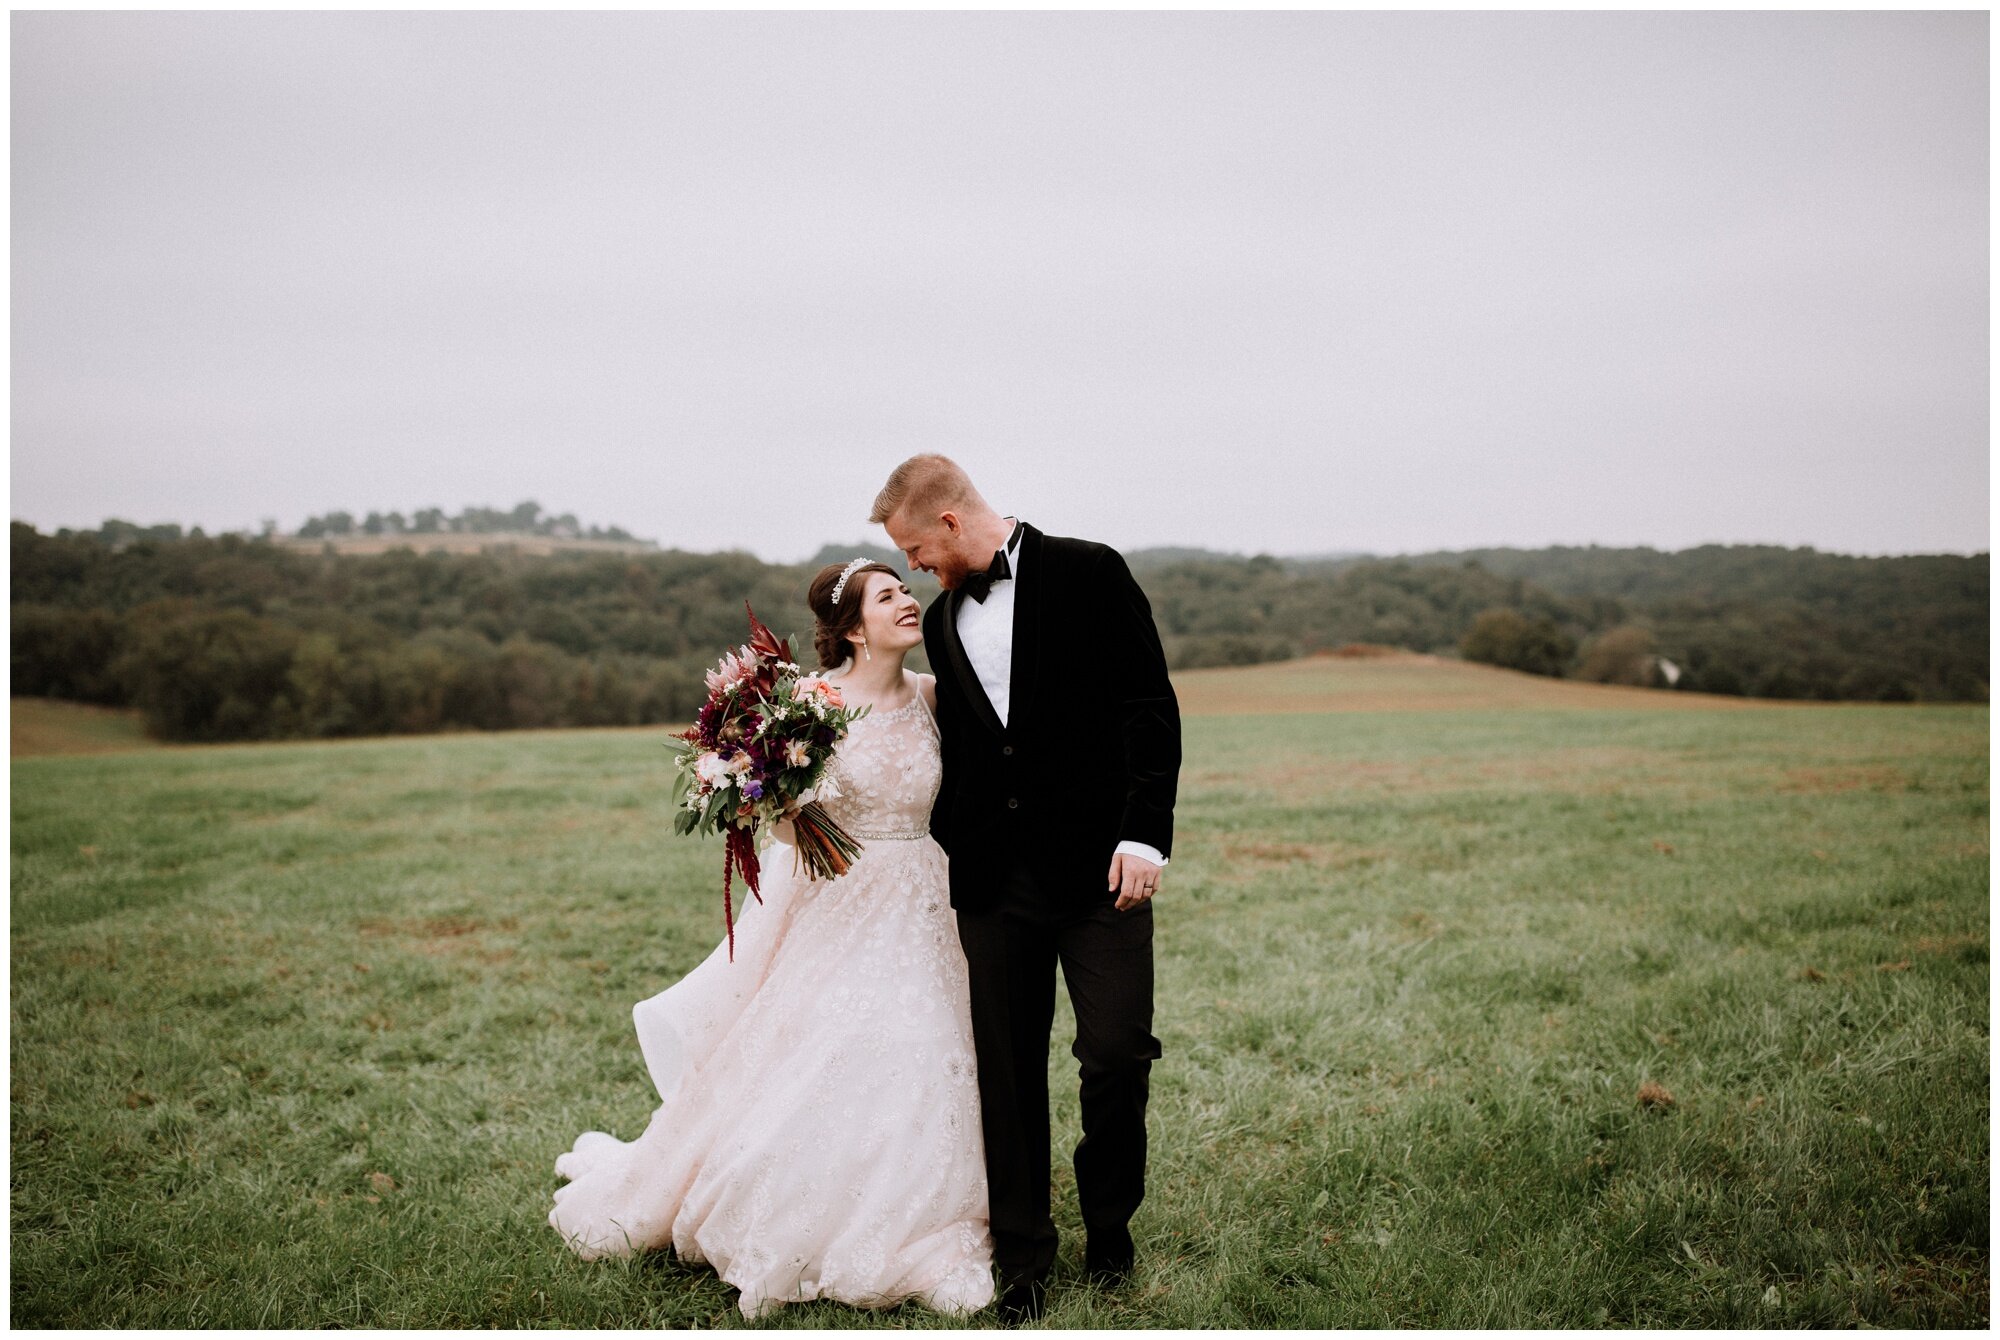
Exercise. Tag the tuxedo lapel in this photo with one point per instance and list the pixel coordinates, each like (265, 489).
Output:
(1028, 607)
(961, 665)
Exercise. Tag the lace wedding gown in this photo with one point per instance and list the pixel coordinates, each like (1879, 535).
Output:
(818, 1131)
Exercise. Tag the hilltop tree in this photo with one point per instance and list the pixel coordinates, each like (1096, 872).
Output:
(1624, 655)
(206, 674)
(65, 653)
(1505, 637)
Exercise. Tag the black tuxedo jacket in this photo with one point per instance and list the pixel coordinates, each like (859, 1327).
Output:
(1091, 752)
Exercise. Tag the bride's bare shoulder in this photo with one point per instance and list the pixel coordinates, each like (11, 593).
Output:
(927, 685)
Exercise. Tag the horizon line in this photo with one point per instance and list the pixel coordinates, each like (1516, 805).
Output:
(1304, 556)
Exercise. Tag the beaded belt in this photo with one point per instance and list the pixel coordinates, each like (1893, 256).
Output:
(874, 835)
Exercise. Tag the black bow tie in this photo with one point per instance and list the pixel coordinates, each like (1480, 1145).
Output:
(979, 585)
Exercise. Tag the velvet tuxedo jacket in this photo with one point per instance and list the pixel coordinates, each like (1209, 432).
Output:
(1090, 755)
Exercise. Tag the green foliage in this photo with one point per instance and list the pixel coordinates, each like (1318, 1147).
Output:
(61, 652)
(403, 641)
(1785, 623)
(1624, 655)
(1239, 611)
(400, 642)
(205, 674)
(1504, 637)
(298, 1031)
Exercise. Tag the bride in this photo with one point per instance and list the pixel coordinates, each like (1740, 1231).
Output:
(818, 1130)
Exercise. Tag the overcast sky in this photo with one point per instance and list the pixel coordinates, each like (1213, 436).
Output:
(1284, 282)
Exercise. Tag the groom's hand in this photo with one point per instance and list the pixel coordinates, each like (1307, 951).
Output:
(1135, 880)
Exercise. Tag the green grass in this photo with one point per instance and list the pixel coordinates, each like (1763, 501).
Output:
(298, 1031)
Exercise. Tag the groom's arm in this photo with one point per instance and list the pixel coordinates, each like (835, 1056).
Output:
(1147, 713)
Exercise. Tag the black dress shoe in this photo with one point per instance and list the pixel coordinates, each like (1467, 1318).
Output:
(1022, 1301)
(1107, 1258)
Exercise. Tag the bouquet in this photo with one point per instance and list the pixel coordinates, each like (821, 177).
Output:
(758, 753)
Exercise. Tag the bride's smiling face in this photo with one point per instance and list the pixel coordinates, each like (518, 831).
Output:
(891, 619)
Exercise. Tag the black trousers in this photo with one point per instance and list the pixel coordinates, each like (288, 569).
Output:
(1011, 952)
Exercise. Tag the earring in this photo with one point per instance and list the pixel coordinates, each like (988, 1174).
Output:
(866, 654)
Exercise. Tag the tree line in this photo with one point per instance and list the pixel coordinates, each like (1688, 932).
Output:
(232, 637)
(523, 519)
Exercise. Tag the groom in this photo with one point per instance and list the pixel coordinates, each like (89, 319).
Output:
(1062, 748)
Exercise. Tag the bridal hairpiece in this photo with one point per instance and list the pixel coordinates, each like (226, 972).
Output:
(845, 573)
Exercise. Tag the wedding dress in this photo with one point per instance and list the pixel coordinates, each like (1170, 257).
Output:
(818, 1130)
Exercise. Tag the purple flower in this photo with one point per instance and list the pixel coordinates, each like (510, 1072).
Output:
(753, 789)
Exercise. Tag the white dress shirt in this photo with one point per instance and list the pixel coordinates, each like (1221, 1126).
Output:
(986, 631)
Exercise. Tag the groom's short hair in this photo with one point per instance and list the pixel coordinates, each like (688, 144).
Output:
(924, 486)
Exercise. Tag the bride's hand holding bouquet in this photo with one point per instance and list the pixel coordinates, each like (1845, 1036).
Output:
(758, 754)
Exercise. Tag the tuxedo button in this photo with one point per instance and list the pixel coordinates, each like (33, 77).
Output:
(1006, 748)
(1013, 804)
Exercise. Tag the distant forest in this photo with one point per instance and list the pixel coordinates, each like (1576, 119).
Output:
(234, 638)
(525, 519)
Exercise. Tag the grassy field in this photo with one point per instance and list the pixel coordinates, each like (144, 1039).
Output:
(1486, 1002)
(1399, 681)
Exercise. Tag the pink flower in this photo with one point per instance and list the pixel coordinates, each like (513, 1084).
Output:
(815, 685)
(734, 666)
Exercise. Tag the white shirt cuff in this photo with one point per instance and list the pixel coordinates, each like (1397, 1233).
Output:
(1140, 850)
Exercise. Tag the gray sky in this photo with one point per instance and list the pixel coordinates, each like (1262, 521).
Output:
(1289, 282)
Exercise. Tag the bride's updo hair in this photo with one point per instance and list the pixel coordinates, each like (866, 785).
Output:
(833, 623)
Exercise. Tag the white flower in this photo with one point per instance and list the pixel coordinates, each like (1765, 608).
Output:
(796, 754)
(709, 768)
